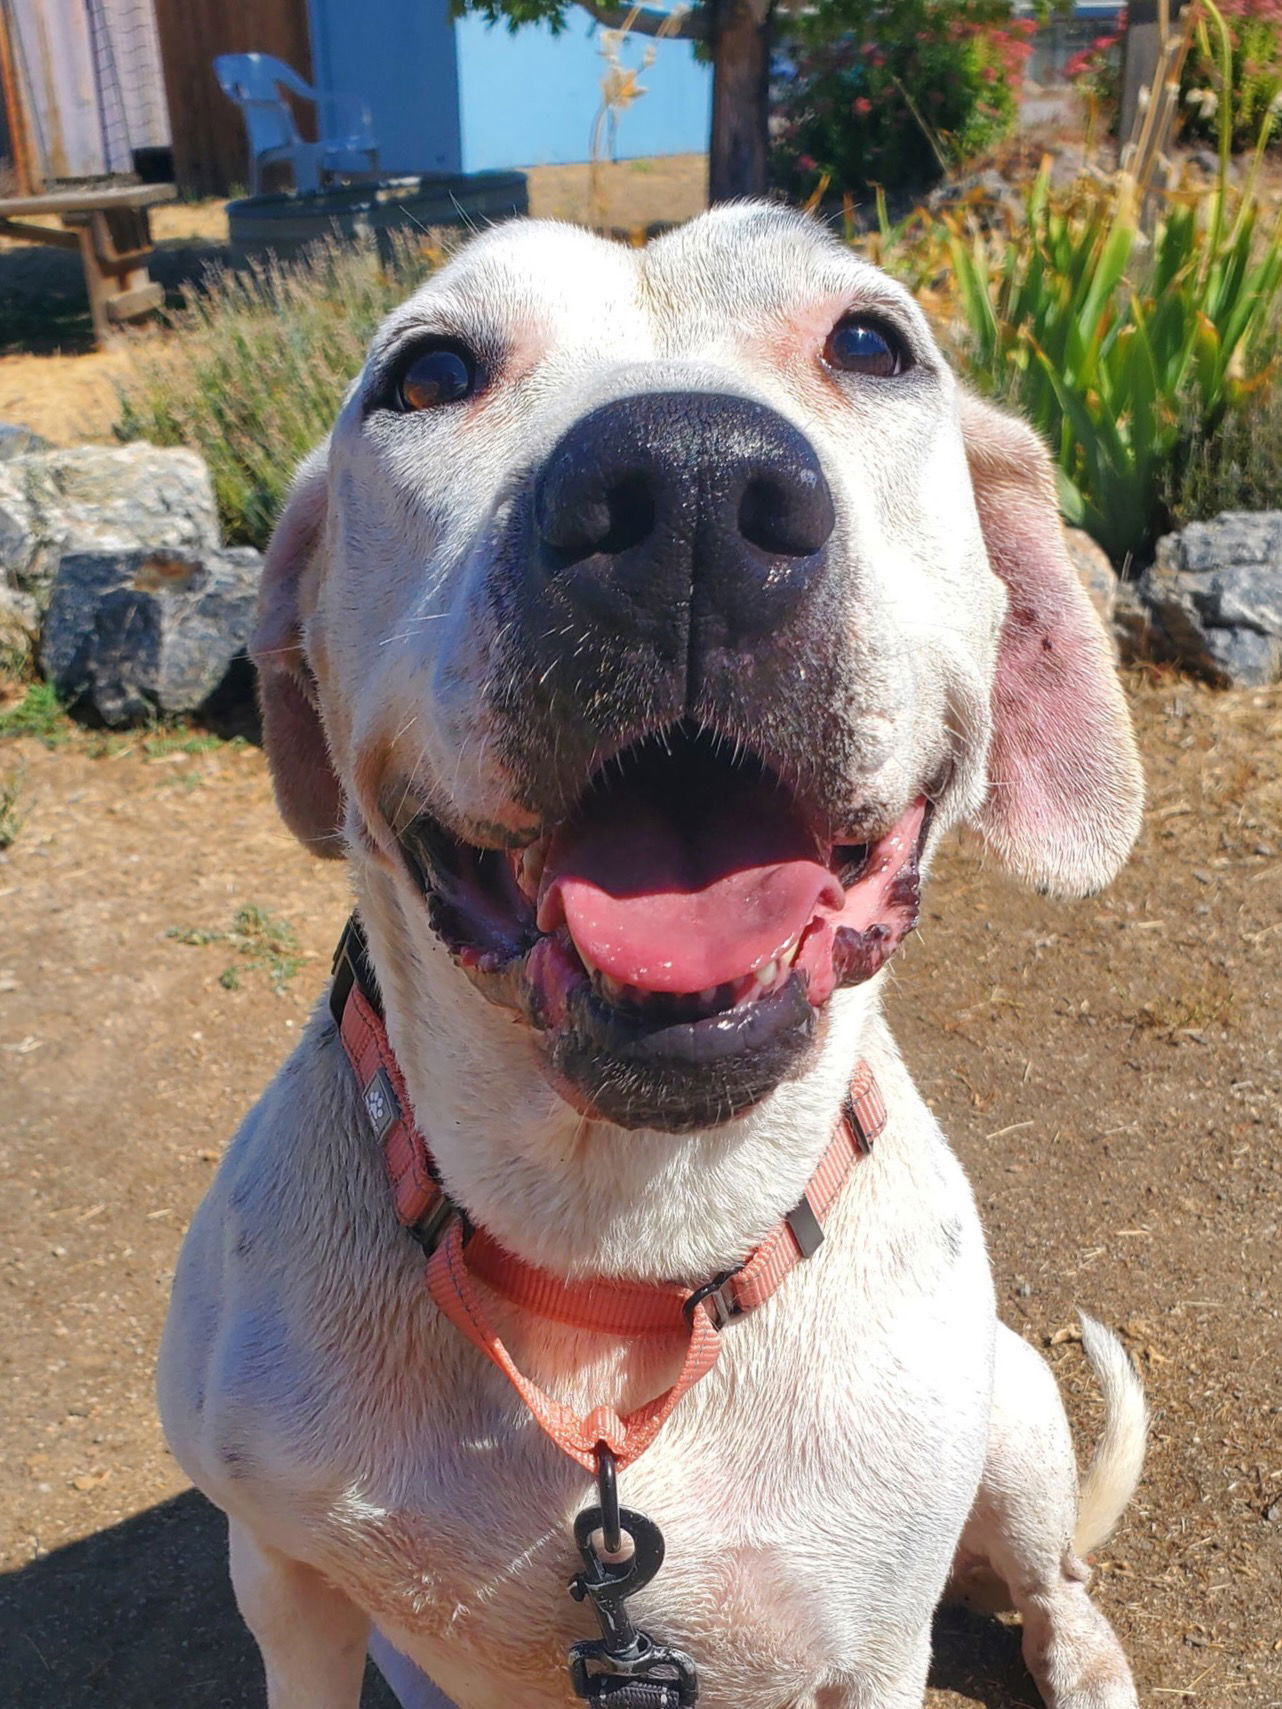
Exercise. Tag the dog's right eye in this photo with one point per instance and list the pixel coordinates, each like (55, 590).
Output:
(436, 375)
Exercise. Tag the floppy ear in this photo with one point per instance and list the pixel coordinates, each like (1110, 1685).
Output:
(1064, 782)
(307, 789)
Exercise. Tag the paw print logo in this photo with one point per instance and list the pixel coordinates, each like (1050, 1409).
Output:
(380, 1103)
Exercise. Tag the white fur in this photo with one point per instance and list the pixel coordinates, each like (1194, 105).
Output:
(873, 1421)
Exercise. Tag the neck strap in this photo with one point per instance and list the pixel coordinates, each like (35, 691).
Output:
(464, 1260)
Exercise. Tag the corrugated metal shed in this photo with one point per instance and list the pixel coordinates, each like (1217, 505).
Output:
(90, 81)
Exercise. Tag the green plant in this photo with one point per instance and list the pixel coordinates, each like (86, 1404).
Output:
(1116, 343)
(894, 92)
(1236, 465)
(258, 369)
(12, 814)
(40, 714)
(264, 943)
(1251, 74)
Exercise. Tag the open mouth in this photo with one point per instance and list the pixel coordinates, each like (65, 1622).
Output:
(675, 938)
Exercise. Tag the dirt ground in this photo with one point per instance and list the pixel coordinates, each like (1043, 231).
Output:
(1110, 1072)
(54, 381)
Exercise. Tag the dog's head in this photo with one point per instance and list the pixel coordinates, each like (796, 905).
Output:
(647, 615)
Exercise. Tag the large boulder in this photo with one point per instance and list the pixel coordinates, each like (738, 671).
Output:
(1094, 571)
(95, 498)
(129, 635)
(1214, 598)
(19, 442)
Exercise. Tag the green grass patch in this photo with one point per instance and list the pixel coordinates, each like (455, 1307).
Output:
(12, 813)
(40, 714)
(263, 943)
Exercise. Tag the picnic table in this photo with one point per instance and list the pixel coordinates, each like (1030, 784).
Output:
(112, 231)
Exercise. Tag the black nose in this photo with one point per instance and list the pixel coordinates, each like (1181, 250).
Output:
(680, 517)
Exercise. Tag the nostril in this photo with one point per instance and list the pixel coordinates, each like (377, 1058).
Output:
(630, 503)
(603, 518)
(788, 516)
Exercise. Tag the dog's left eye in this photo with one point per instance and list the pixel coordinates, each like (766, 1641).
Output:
(860, 347)
(440, 374)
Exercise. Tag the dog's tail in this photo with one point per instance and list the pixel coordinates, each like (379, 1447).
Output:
(1118, 1459)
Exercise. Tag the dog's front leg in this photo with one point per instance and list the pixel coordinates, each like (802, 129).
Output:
(312, 1638)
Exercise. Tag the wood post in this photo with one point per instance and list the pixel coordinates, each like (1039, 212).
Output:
(1149, 24)
(26, 169)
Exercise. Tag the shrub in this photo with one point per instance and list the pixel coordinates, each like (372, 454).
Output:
(1254, 74)
(1096, 72)
(894, 92)
(1236, 465)
(1120, 348)
(258, 366)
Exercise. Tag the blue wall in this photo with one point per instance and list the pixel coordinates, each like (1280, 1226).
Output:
(449, 97)
(529, 99)
(400, 56)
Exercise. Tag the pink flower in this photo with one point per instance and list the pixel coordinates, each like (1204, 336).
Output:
(861, 105)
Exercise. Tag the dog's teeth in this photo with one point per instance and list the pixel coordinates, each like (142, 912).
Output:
(766, 976)
(788, 954)
(529, 871)
(708, 995)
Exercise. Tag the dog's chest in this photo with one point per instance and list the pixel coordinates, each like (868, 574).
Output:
(810, 1493)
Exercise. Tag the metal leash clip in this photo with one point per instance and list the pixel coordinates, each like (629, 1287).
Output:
(624, 1668)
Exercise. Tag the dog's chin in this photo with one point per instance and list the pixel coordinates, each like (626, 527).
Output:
(675, 940)
(678, 1076)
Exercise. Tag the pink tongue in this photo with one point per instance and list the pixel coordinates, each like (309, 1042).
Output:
(680, 896)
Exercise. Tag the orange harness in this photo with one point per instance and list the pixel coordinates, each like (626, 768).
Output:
(460, 1256)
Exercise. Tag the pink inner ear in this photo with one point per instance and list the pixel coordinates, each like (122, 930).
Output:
(1064, 782)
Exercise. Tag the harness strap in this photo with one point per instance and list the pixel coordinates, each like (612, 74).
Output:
(452, 1285)
(460, 1256)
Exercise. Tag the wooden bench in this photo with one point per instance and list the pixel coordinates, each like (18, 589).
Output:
(112, 231)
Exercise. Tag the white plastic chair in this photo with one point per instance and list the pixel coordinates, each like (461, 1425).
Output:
(254, 82)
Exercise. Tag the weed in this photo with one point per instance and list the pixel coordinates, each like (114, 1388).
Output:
(264, 944)
(183, 740)
(40, 714)
(1119, 342)
(11, 814)
(1234, 466)
(1191, 1009)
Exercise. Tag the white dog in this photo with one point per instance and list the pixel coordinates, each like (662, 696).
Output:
(645, 621)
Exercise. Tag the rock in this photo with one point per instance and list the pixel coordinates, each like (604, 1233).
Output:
(98, 498)
(1132, 629)
(1214, 598)
(1094, 571)
(973, 187)
(132, 634)
(18, 441)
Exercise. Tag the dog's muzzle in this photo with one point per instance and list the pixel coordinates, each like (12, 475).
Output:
(672, 653)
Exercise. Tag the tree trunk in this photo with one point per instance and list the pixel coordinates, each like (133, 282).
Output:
(740, 37)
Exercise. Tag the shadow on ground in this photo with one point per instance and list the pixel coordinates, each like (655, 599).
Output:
(143, 1614)
(135, 1616)
(43, 302)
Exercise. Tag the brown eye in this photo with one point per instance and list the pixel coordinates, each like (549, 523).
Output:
(443, 374)
(860, 347)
